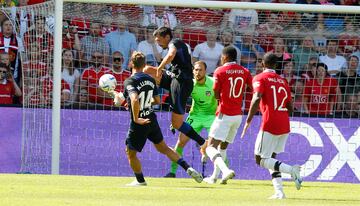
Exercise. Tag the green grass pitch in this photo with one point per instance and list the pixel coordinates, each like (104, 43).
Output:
(48, 190)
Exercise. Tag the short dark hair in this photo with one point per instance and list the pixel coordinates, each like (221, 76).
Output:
(3, 22)
(230, 52)
(332, 40)
(163, 31)
(138, 60)
(270, 60)
(354, 56)
(201, 62)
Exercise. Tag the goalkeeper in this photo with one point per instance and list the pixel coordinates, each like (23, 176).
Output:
(202, 111)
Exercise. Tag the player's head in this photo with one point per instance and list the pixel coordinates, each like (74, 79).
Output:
(163, 36)
(199, 70)
(138, 61)
(229, 54)
(270, 62)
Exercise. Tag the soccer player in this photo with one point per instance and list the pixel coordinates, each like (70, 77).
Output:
(140, 93)
(202, 112)
(273, 94)
(230, 84)
(178, 80)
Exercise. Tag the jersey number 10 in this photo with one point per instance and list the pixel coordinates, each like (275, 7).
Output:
(233, 84)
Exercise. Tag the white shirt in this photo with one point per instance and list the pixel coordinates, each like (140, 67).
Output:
(242, 19)
(210, 56)
(6, 44)
(333, 64)
(70, 79)
(146, 48)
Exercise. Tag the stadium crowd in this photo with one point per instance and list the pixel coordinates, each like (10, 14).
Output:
(318, 53)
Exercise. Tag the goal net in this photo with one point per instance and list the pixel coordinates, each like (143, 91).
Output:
(318, 54)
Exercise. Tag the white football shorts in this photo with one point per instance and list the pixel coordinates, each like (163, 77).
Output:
(224, 127)
(266, 144)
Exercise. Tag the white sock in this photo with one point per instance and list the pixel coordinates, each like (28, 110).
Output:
(218, 161)
(269, 163)
(216, 171)
(278, 185)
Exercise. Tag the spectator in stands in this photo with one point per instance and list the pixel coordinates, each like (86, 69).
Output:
(43, 38)
(107, 25)
(288, 71)
(119, 73)
(309, 70)
(227, 39)
(320, 93)
(160, 16)
(8, 86)
(333, 61)
(297, 93)
(268, 30)
(349, 80)
(80, 22)
(34, 65)
(70, 37)
(303, 54)
(350, 2)
(309, 20)
(9, 44)
(250, 51)
(351, 108)
(242, 20)
(209, 51)
(8, 3)
(349, 39)
(122, 40)
(5, 58)
(94, 42)
(150, 48)
(90, 78)
(70, 74)
(319, 39)
(280, 51)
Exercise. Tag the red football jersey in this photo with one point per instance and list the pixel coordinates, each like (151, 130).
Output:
(120, 78)
(7, 92)
(275, 96)
(230, 81)
(91, 77)
(320, 95)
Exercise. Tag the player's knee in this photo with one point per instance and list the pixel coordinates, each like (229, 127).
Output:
(257, 159)
(163, 149)
(273, 155)
(130, 153)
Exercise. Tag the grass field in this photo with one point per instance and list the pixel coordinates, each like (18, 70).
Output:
(47, 190)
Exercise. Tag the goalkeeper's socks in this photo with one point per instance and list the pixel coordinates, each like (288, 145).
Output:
(139, 177)
(190, 132)
(174, 165)
(183, 164)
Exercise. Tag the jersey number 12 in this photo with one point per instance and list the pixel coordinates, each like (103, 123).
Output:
(278, 91)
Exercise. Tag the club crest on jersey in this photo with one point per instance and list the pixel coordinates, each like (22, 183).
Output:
(208, 93)
(256, 84)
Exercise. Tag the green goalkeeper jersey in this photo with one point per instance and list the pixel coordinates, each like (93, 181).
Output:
(204, 101)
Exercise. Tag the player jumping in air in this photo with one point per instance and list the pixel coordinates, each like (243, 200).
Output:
(272, 93)
(230, 84)
(202, 112)
(140, 93)
(179, 81)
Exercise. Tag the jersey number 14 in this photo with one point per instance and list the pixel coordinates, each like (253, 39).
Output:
(145, 100)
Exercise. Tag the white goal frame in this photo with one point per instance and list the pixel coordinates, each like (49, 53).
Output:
(55, 159)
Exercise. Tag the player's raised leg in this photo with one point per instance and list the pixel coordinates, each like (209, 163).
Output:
(179, 147)
(173, 156)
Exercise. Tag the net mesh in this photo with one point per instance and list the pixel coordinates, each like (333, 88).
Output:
(91, 135)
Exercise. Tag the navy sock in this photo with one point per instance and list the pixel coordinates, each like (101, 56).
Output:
(183, 163)
(139, 177)
(190, 132)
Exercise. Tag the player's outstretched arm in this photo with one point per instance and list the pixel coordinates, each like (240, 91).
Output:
(254, 107)
(135, 109)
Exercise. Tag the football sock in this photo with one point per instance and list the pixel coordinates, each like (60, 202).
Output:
(215, 156)
(278, 185)
(276, 165)
(190, 132)
(174, 165)
(216, 171)
(139, 177)
(183, 164)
